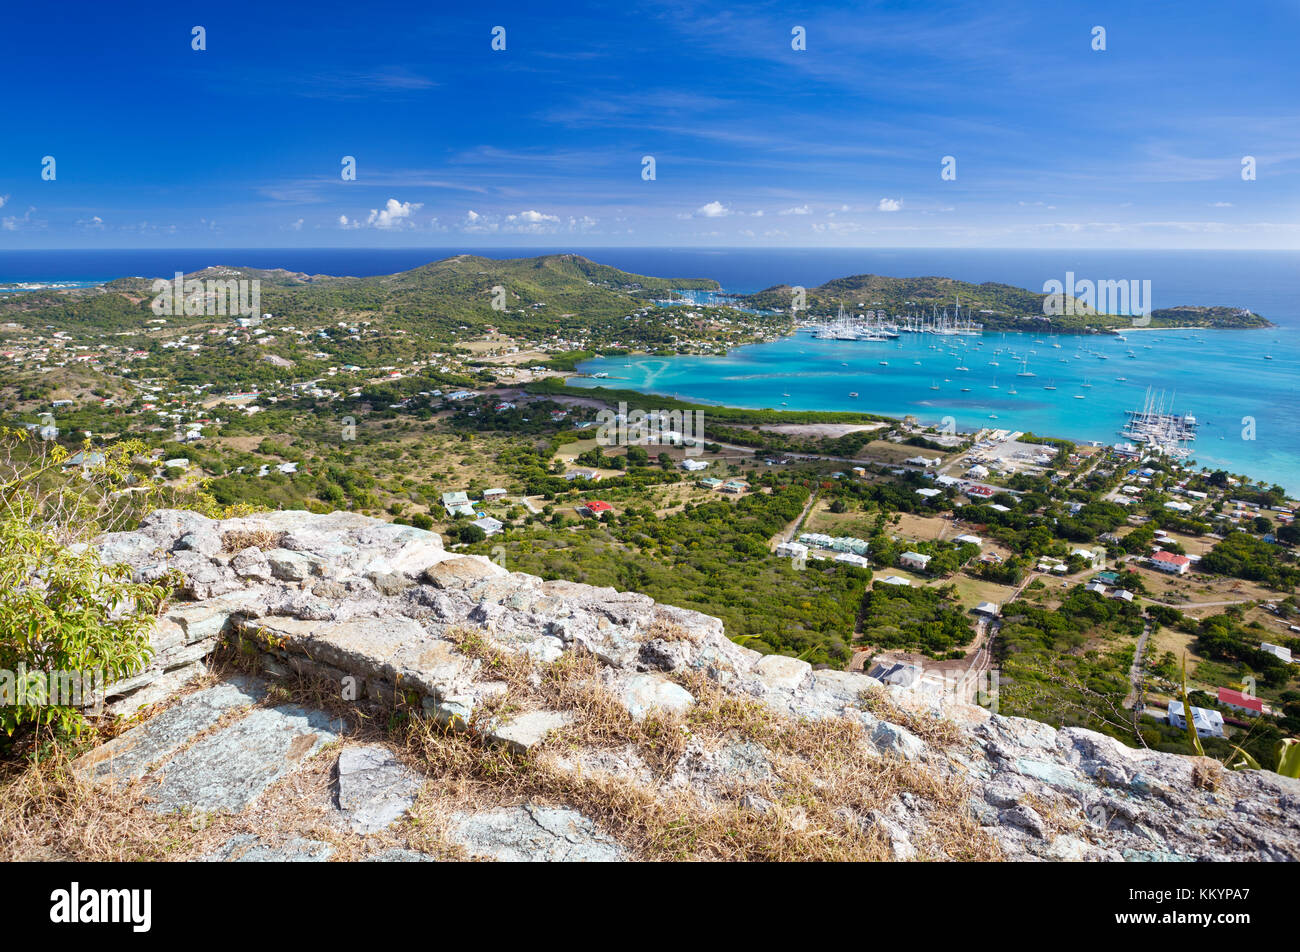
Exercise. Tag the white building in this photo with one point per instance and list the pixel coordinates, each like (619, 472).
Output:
(895, 580)
(792, 550)
(851, 559)
(969, 540)
(489, 525)
(694, 465)
(1208, 723)
(1277, 651)
(914, 560)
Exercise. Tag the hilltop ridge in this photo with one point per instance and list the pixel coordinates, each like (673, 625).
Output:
(586, 723)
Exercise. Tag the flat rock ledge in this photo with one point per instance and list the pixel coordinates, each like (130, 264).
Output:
(379, 609)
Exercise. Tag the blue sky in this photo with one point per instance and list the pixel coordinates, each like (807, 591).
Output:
(755, 144)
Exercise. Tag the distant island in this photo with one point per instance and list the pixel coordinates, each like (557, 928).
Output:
(601, 306)
(997, 306)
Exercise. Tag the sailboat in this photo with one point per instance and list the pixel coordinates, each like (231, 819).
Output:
(1024, 369)
(1051, 386)
(933, 385)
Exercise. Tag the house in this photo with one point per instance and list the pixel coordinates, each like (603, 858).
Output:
(1171, 563)
(914, 560)
(986, 608)
(1096, 587)
(851, 559)
(1207, 723)
(894, 580)
(489, 525)
(710, 482)
(929, 493)
(1277, 651)
(1089, 556)
(792, 550)
(969, 540)
(735, 486)
(84, 459)
(1179, 506)
(494, 493)
(594, 508)
(923, 461)
(1123, 594)
(457, 504)
(1239, 701)
(903, 675)
(978, 472)
(694, 465)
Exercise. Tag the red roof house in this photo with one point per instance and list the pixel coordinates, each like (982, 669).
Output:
(595, 507)
(1241, 702)
(1169, 562)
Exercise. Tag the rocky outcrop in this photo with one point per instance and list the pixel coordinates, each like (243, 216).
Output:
(387, 616)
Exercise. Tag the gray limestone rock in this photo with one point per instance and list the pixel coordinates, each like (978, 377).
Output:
(374, 788)
(533, 834)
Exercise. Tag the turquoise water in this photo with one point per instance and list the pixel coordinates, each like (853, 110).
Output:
(1220, 376)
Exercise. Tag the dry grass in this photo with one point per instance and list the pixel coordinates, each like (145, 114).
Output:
(660, 630)
(931, 729)
(825, 780)
(236, 540)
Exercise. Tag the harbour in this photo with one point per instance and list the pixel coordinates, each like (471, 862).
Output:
(1088, 389)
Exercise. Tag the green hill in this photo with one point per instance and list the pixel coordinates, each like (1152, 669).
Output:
(997, 306)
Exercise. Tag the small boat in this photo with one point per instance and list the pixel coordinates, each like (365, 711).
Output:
(934, 386)
(853, 394)
(1011, 392)
(1268, 356)
(1051, 386)
(1078, 396)
(884, 363)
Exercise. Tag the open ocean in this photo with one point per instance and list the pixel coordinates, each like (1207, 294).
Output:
(1220, 376)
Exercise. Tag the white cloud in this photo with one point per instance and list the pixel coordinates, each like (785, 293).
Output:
(297, 226)
(798, 210)
(3, 199)
(394, 215)
(889, 205)
(713, 210)
(532, 218)
(1222, 205)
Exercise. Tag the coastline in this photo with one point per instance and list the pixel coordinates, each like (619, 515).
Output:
(1083, 400)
